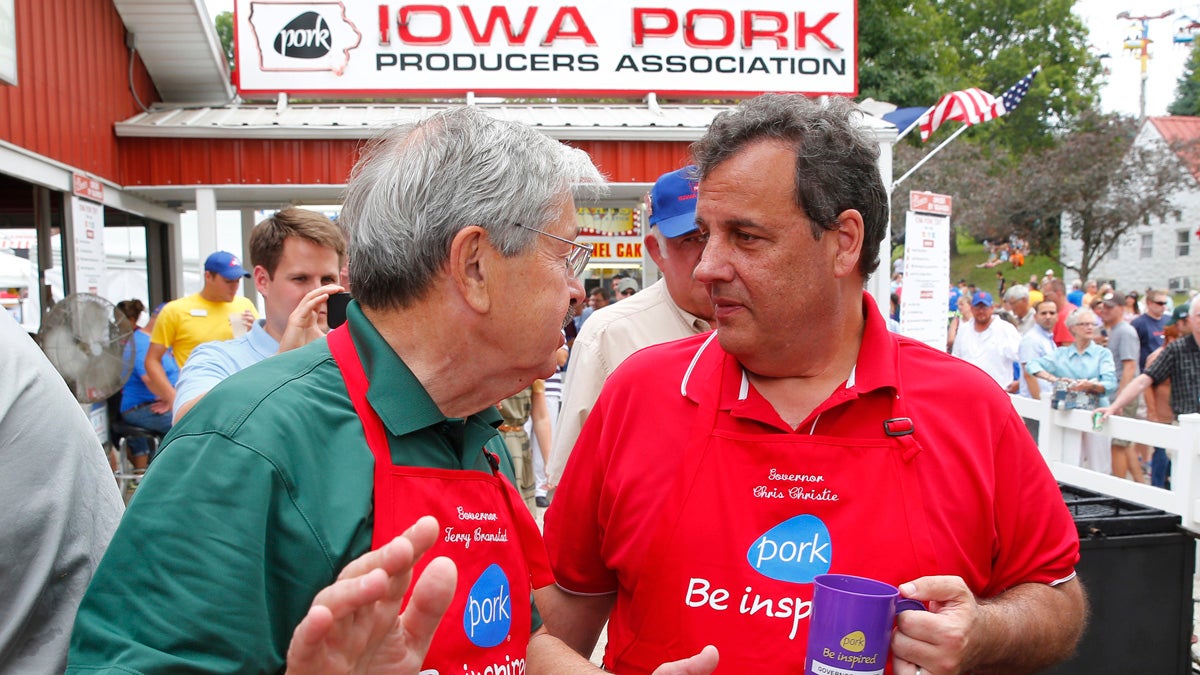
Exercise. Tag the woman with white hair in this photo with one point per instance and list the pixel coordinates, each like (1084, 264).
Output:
(1085, 377)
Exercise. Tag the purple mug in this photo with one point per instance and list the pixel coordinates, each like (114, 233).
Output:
(850, 629)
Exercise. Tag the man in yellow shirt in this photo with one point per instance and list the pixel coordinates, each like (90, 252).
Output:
(201, 317)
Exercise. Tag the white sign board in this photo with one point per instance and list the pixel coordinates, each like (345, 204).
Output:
(8, 42)
(540, 48)
(925, 298)
(88, 220)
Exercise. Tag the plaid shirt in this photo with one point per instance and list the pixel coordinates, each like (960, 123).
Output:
(1180, 361)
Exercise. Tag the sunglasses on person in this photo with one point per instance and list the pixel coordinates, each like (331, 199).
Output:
(1162, 303)
(627, 293)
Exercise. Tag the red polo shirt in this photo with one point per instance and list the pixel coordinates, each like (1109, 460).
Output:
(991, 500)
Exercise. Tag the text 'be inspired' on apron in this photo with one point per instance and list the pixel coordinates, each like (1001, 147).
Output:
(485, 529)
(752, 519)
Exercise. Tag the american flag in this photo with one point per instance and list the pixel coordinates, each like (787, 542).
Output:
(972, 106)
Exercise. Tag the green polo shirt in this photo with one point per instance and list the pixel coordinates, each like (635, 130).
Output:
(258, 498)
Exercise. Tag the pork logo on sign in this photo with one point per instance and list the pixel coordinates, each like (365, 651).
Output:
(303, 36)
(306, 37)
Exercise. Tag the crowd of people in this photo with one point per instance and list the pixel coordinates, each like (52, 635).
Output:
(1097, 347)
(359, 498)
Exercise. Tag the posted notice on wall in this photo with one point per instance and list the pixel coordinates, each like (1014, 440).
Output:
(89, 244)
(925, 297)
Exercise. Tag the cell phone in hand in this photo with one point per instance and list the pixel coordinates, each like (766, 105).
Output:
(335, 309)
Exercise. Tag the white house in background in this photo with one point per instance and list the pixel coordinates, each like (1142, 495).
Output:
(1159, 254)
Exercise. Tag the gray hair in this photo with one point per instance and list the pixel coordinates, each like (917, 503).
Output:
(1015, 293)
(418, 185)
(1078, 316)
(836, 159)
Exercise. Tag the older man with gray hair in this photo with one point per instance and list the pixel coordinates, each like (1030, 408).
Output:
(1016, 299)
(289, 511)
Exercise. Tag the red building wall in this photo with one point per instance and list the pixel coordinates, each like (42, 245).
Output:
(72, 83)
(168, 161)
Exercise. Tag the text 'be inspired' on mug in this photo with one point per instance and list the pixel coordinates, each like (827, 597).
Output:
(850, 629)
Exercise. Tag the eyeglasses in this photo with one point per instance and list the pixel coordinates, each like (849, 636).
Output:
(1162, 303)
(577, 259)
(627, 293)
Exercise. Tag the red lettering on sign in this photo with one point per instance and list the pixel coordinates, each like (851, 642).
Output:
(558, 28)
(750, 32)
(600, 250)
(816, 30)
(498, 15)
(661, 22)
(695, 15)
(385, 34)
(641, 30)
(406, 15)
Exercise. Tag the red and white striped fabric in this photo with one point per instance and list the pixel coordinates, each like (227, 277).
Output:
(970, 106)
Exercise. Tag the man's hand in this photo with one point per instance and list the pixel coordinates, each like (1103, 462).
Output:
(247, 318)
(159, 407)
(355, 625)
(307, 322)
(941, 640)
(701, 664)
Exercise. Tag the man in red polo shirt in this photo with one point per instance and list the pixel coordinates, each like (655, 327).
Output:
(719, 474)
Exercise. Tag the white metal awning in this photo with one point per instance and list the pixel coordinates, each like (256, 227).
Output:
(580, 122)
(179, 46)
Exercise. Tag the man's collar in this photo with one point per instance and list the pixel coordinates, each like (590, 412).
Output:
(394, 392)
(874, 368)
(260, 340)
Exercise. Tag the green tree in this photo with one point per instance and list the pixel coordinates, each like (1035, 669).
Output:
(224, 25)
(913, 52)
(1187, 90)
(903, 56)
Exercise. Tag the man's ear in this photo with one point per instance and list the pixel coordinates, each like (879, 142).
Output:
(653, 249)
(260, 280)
(472, 267)
(849, 237)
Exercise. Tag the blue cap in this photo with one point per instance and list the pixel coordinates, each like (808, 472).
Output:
(673, 203)
(226, 264)
(981, 298)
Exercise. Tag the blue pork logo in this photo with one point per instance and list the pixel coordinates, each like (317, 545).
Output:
(488, 615)
(796, 550)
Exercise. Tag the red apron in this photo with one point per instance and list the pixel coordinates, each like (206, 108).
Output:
(486, 530)
(750, 521)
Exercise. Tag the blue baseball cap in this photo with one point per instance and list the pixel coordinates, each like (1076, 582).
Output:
(673, 203)
(226, 264)
(981, 298)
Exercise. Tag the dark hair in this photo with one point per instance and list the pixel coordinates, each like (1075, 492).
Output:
(604, 293)
(836, 159)
(131, 309)
(267, 238)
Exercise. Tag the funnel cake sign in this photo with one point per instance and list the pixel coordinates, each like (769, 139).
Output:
(618, 47)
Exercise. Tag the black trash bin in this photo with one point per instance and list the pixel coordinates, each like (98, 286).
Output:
(1137, 565)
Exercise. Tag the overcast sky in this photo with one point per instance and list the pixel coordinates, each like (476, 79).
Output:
(1121, 90)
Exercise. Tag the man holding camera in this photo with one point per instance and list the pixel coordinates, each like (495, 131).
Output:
(297, 255)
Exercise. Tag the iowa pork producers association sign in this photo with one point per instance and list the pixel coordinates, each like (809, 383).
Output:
(609, 47)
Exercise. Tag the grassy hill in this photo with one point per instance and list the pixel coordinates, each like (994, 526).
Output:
(971, 254)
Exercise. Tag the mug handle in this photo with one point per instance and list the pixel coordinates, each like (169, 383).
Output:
(905, 604)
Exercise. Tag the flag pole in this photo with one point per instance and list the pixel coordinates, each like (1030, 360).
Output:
(914, 123)
(928, 157)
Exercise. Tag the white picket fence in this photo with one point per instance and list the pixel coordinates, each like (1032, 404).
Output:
(1059, 437)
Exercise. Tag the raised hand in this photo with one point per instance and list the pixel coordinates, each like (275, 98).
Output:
(354, 625)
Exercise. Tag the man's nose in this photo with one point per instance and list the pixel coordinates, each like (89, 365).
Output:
(713, 264)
